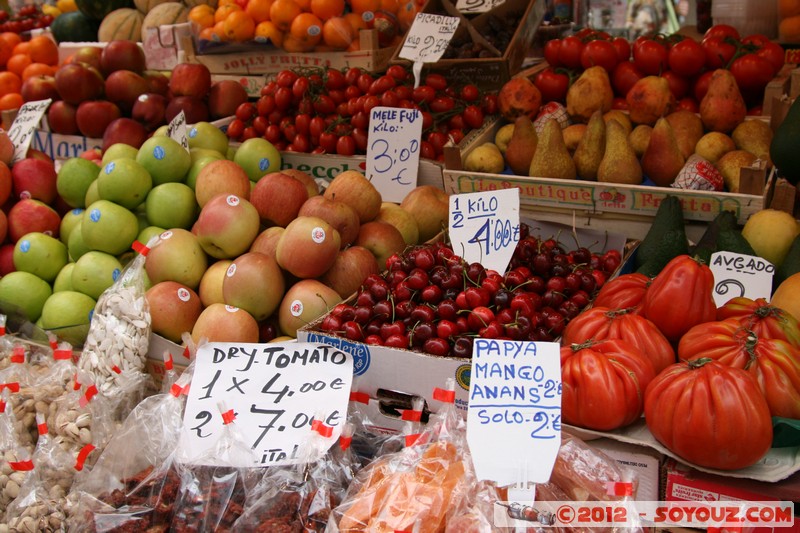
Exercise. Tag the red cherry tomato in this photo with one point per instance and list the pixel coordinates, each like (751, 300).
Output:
(678, 85)
(719, 51)
(551, 49)
(600, 53)
(650, 57)
(623, 48)
(773, 53)
(624, 77)
(686, 58)
(701, 85)
(569, 53)
(722, 30)
(553, 85)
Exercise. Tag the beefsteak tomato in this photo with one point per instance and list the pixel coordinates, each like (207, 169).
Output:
(623, 292)
(601, 323)
(773, 363)
(710, 414)
(764, 319)
(603, 383)
(680, 297)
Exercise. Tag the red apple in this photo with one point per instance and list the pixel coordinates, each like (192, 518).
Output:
(157, 83)
(39, 88)
(122, 55)
(123, 87)
(305, 178)
(222, 176)
(150, 109)
(190, 79)
(89, 55)
(354, 189)
(6, 148)
(336, 213)
(3, 226)
(195, 109)
(38, 154)
(6, 183)
(78, 82)
(382, 239)
(34, 178)
(174, 308)
(248, 271)
(224, 97)
(62, 118)
(224, 323)
(95, 116)
(351, 268)
(308, 247)
(124, 130)
(6, 259)
(278, 198)
(430, 207)
(267, 241)
(32, 215)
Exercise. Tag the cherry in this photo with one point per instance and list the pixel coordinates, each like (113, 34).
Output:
(493, 330)
(403, 309)
(447, 310)
(331, 323)
(397, 341)
(383, 309)
(462, 347)
(417, 279)
(392, 328)
(425, 259)
(431, 294)
(552, 298)
(423, 313)
(480, 317)
(363, 314)
(421, 332)
(580, 298)
(373, 340)
(477, 296)
(365, 299)
(352, 330)
(502, 298)
(446, 329)
(437, 346)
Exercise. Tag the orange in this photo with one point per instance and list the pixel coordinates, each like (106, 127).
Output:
(362, 6)
(337, 33)
(268, 31)
(406, 14)
(9, 83)
(239, 27)
(356, 22)
(788, 8)
(11, 38)
(11, 101)
(390, 6)
(305, 5)
(258, 9)
(327, 9)
(222, 12)
(5, 53)
(202, 15)
(218, 31)
(293, 44)
(21, 48)
(18, 62)
(43, 50)
(37, 69)
(355, 46)
(307, 28)
(283, 12)
(789, 29)
(207, 34)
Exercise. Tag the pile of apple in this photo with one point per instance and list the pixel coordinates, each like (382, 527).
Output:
(106, 93)
(245, 252)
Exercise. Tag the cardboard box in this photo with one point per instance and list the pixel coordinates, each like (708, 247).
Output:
(60, 146)
(485, 72)
(154, 364)
(644, 461)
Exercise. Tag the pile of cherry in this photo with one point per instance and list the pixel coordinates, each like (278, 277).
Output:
(430, 300)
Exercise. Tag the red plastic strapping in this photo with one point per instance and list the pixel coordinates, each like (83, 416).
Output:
(21, 466)
(2, 406)
(17, 355)
(228, 416)
(87, 397)
(168, 362)
(140, 248)
(360, 397)
(116, 369)
(444, 395)
(412, 439)
(411, 416)
(82, 455)
(13, 387)
(619, 489)
(187, 353)
(62, 355)
(175, 390)
(345, 442)
(322, 429)
(186, 389)
(42, 428)
(53, 343)
(2, 330)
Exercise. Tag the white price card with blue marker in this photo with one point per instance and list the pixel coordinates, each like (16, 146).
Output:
(176, 130)
(427, 40)
(477, 6)
(484, 226)
(740, 275)
(514, 416)
(22, 129)
(393, 143)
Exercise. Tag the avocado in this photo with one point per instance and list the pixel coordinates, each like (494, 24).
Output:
(708, 243)
(783, 149)
(665, 240)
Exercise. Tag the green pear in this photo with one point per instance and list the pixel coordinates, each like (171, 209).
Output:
(591, 148)
(522, 145)
(663, 158)
(552, 159)
(619, 163)
(485, 158)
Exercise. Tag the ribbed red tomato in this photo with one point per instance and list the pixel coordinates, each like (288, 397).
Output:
(603, 383)
(623, 291)
(773, 363)
(765, 320)
(600, 323)
(680, 297)
(710, 414)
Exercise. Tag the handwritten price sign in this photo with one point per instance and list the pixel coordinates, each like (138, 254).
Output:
(478, 6)
(514, 410)
(176, 130)
(21, 131)
(275, 392)
(393, 151)
(740, 275)
(427, 40)
(484, 226)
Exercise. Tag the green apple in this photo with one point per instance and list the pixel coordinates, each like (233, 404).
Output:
(22, 291)
(207, 135)
(117, 151)
(108, 227)
(40, 254)
(165, 159)
(197, 166)
(231, 153)
(94, 272)
(66, 309)
(91, 194)
(161, 131)
(69, 222)
(178, 256)
(73, 180)
(75, 245)
(124, 182)
(63, 281)
(257, 156)
(197, 153)
(148, 233)
(171, 205)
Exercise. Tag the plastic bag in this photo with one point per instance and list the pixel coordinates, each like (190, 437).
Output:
(134, 482)
(11, 478)
(5, 344)
(170, 374)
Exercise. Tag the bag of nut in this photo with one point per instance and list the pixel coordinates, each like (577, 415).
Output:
(42, 504)
(134, 483)
(11, 476)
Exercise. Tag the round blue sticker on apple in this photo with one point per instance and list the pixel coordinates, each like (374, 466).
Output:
(77, 211)
(115, 274)
(91, 314)
(263, 165)
(95, 215)
(24, 246)
(110, 167)
(158, 152)
(193, 133)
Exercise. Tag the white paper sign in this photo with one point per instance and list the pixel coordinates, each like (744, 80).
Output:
(514, 416)
(275, 390)
(427, 40)
(477, 6)
(484, 226)
(740, 275)
(21, 131)
(393, 151)
(176, 130)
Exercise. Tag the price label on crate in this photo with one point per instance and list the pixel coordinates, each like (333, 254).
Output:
(484, 226)
(275, 390)
(427, 39)
(393, 151)
(514, 416)
(477, 6)
(176, 130)
(740, 275)
(22, 129)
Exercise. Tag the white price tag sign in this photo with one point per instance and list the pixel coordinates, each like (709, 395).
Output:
(514, 416)
(176, 130)
(427, 40)
(484, 226)
(21, 131)
(275, 390)
(393, 151)
(478, 6)
(740, 275)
